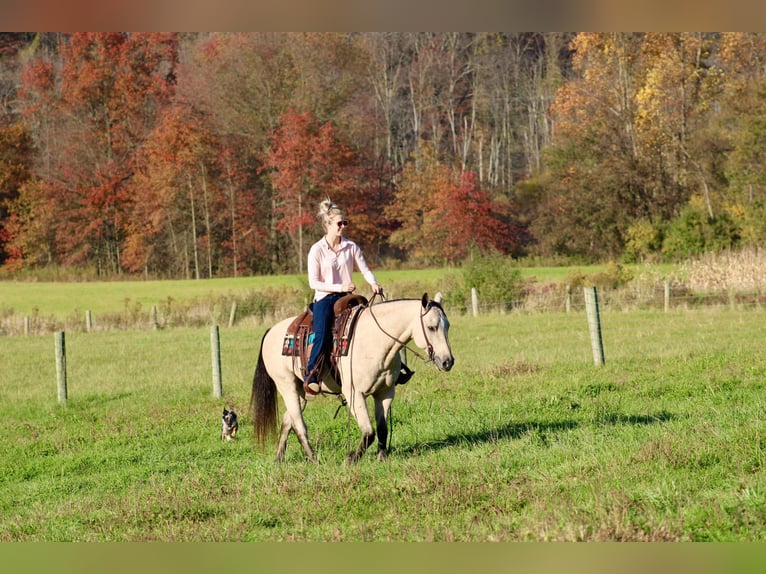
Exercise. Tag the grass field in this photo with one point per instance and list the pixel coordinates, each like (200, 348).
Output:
(63, 298)
(524, 440)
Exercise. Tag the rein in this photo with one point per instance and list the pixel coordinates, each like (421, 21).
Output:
(429, 346)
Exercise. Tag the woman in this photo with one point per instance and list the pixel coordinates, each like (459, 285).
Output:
(330, 266)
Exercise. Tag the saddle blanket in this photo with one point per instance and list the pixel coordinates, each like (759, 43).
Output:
(300, 337)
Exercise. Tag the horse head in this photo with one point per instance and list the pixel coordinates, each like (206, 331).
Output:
(434, 332)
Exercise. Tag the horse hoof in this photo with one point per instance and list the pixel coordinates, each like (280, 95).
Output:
(382, 456)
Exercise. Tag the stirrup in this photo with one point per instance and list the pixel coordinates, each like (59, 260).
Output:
(307, 387)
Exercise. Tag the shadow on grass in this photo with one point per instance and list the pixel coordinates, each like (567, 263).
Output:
(517, 430)
(620, 419)
(508, 431)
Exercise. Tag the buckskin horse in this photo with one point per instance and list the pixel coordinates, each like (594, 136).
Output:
(370, 368)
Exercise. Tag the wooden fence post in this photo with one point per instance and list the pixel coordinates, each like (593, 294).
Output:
(215, 351)
(232, 313)
(26, 325)
(667, 296)
(155, 325)
(88, 321)
(61, 366)
(569, 298)
(474, 302)
(594, 324)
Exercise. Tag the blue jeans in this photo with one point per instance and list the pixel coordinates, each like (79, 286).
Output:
(322, 323)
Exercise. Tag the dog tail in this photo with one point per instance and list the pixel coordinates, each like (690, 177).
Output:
(263, 401)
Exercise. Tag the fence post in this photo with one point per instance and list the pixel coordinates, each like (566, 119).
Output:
(232, 313)
(594, 324)
(667, 296)
(154, 317)
(569, 298)
(215, 351)
(88, 321)
(61, 366)
(474, 302)
(26, 325)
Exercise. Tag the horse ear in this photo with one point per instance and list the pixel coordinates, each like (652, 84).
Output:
(438, 297)
(424, 301)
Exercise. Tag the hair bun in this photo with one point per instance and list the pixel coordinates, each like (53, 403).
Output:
(326, 207)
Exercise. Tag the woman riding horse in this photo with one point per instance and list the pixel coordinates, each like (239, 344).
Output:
(330, 266)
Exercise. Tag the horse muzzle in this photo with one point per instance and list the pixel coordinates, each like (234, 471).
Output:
(444, 364)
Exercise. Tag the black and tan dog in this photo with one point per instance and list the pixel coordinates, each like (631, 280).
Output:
(229, 425)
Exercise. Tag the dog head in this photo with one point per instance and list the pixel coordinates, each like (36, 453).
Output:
(229, 417)
(229, 424)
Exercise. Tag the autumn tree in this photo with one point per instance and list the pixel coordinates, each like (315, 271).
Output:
(307, 162)
(672, 107)
(464, 218)
(190, 213)
(442, 214)
(743, 125)
(15, 171)
(596, 182)
(414, 197)
(90, 117)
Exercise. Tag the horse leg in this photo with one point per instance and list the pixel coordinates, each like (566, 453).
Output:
(382, 408)
(362, 417)
(284, 432)
(294, 405)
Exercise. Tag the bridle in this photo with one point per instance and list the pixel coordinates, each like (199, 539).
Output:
(429, 347)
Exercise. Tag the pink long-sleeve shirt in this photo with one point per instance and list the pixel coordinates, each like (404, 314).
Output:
(329, 271)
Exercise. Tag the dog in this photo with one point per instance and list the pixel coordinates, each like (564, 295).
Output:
(229, 425)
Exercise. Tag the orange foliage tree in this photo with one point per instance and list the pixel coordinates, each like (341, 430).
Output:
(308, 161)
(440, 216)
(90, 117)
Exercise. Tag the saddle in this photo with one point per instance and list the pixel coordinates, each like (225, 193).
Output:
(299, 337)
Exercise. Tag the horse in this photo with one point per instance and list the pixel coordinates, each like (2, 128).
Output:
(370, 368)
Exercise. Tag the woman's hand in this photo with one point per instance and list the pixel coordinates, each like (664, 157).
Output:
(377, 289)
(349, 288)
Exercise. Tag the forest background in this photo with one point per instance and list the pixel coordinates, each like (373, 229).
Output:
(191, 155)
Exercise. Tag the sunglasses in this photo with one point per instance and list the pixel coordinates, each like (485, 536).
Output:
(342, 223)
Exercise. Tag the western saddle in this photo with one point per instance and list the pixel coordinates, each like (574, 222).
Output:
(299, 337)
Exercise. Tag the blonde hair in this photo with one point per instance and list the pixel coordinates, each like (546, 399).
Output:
(327, 209)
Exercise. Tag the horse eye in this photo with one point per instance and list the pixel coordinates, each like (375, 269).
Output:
(432, 329)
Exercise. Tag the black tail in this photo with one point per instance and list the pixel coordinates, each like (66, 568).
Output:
(263, 401)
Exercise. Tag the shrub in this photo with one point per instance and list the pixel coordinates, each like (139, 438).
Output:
(641, 241)
(693, 232)
(496, 278)
(612, 276)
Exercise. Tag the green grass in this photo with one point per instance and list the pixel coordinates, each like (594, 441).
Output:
(524, 440)
(64, 298)
(62, 305)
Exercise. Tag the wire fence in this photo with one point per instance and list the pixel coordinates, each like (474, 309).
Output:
(665, 296)
(662, 296)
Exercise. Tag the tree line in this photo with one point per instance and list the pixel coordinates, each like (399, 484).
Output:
(206, 154)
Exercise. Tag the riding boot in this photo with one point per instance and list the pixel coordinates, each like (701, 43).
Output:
(311, 384)
(322, 327)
